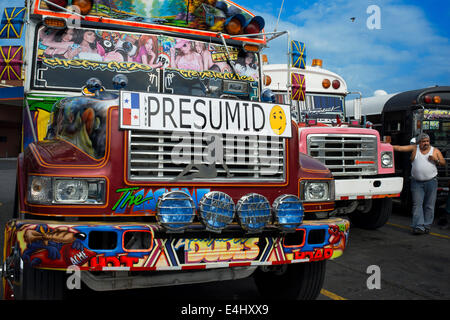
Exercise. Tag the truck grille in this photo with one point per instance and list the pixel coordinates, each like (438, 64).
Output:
(345, 154)
(444, 174)
(169, 156)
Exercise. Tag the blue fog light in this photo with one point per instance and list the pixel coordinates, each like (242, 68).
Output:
(175, 210)
(253, 211)
(216, 210)
(288, 212)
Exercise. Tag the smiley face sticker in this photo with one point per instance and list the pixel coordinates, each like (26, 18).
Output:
(277, 120)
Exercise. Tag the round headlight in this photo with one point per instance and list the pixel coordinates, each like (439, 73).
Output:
(288, 212)
(39, 189)
(386, 159)
(175, 210)
(216, 210)
(253, 211)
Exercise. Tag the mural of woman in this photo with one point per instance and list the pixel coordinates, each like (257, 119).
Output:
(201, 49)
(90, 48)
(147, 51)
(59, 43)
(246, 66)
(187, 58)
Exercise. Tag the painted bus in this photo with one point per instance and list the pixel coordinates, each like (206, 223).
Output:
(362, 164)
(150, 158)
(400, 117)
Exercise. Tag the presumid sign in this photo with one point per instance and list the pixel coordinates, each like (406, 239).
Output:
(152, 111)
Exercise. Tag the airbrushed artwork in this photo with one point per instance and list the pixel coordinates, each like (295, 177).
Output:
(208, 15)
(81, 122)
(139, 56)
(138, 247)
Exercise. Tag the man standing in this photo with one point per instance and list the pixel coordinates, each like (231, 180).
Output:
(425, 160)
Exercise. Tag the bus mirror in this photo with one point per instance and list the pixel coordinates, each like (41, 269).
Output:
(357, 108)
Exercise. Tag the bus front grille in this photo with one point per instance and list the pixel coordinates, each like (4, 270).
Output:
(345, 154)
(171, 156)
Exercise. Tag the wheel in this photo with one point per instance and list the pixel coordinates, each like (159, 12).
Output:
(298, 281)
(377, 216)
(38, 284)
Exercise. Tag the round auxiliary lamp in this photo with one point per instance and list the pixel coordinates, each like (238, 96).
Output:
(175, 210)
(288, 212)
(254, 212)
(216, 210)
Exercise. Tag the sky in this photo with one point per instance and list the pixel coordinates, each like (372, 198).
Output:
(407, 49)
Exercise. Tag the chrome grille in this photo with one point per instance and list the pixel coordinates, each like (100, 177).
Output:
(345, 154)
(171, 156)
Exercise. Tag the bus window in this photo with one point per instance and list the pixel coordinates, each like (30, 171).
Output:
(328, 103)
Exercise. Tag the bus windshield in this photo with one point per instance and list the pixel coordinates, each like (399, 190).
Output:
(324, 108)
(439, 132)
(65, 59)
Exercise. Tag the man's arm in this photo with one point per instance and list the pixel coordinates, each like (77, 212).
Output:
(437, 157)
(408, 148)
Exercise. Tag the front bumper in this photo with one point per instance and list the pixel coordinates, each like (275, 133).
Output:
(352, 189)
(58, 245)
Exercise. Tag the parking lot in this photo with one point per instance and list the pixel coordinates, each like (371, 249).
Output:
(385, 264)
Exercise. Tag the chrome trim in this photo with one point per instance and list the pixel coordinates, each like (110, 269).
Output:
(339, 153)
(245, 158)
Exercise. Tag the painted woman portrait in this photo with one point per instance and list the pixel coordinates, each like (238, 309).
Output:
(246, 65)
(58, 43)
(90, 48)
(183, 56)
(147, 52)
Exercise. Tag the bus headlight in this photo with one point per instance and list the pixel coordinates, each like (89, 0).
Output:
(40, 189)
(59, 190)
(387, 159)
(316, 191)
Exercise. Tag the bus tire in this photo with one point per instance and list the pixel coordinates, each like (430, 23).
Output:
(298, 281)
(38, 284)
(377, 216)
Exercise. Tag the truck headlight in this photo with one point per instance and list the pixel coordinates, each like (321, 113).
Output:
(316, 191)
(40, 189)
(387, 159)
(58, 190)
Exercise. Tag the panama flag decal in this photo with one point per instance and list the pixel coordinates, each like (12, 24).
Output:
(130, 109)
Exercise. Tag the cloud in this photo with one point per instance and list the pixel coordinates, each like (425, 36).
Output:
(406, 53)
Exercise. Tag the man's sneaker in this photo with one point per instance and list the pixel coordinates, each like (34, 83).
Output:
(417, 231)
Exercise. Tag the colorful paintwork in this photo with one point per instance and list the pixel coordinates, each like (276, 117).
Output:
(11, 25)
(58, 246)
(298, 51)
(139, 56)
(11, 61)
(80, 121)
(208, 15)
(135, 199)
(298, 87)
